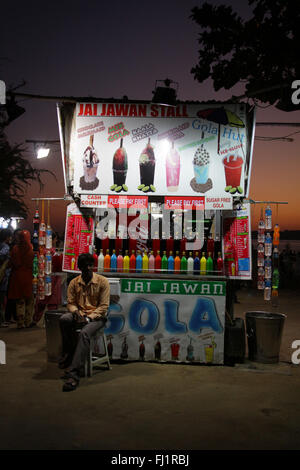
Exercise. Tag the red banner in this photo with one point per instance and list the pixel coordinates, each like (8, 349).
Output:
(186, 202)
(139, 202)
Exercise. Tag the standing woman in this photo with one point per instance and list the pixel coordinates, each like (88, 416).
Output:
(20, 286)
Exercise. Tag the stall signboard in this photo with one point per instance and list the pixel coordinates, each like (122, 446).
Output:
(237, 243)
(79, 237)
(149, 149)
(168, 320)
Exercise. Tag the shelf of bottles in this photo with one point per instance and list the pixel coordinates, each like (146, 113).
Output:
(268, 256)
(42, 262)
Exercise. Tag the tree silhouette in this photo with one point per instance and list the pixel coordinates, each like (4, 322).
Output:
(16, 172)
(262, 52)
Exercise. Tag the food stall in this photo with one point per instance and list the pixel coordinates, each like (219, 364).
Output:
(160, 200)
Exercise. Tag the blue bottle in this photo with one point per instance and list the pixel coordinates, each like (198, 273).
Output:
(197, 264)
(113, 262)
(139, 263)
(171, 263)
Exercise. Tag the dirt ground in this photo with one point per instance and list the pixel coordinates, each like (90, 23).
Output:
(139, 406)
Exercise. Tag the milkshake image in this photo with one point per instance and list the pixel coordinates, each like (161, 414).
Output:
(147, 169)
(233, 165)
(201, 165)
(172, 169)
(120, 167)
(90, 160)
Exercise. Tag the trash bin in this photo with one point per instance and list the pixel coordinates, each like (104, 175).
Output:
(264, 332)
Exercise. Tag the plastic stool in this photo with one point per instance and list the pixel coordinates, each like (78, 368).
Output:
(94, 357)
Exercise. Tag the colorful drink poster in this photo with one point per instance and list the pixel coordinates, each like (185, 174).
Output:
(168, 320)
(149, 149)
(79, 236)
(237, 243)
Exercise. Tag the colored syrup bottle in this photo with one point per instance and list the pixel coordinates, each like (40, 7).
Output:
(145, 263)
(190, 264)
(35, 266)
(197, 264)
(139, 262)
(107, 262)
(120, 262)
(151, 262)
(169, 246)
(209, 264)
(158, 263)
(100, 262)
(183, 263)
(164, 263)
(220, 264)
(171, 263)
(210, 246)
(126, 262)
(177, 263)
(132, 262)
(203, 264)
(276, 235)
(113, 262)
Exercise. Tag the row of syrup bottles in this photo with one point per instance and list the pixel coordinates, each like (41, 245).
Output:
(42, 262)
(138, 262)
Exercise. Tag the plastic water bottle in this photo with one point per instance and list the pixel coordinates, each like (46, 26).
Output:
(268, 218)
(35, 266)
(275, 279)
(261, 231)
(268, 245)
(268, 268)
(275, 257)
(48, 237)
(267, 290)
(48, 263)
(276, 235)
(42, 263)
(260, 278)
(48, 285)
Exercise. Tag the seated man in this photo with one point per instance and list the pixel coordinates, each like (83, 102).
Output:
(88, 301)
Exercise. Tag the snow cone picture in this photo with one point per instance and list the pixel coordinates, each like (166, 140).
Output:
(90, 160)
(147, 169)
(172, 169)
(201, 182)
(120, 167)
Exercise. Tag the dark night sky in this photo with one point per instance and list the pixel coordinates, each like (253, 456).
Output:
(111, 49)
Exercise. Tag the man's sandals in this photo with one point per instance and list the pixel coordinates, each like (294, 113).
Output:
(70, 384)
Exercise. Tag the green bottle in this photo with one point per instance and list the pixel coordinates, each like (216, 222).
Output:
(164, 262)
(209, 264)
(183, 263)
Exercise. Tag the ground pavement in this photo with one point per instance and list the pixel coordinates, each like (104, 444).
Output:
(139, 406)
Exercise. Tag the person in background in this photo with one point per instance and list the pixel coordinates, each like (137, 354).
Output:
(20, 286)
(5, 239)
(10, 310)
(88, 302)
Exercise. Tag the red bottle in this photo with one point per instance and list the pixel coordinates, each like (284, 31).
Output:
(211, 246)
(182, 245)
(169, 246)
(220, 264)
(157, 263)
(132, 262)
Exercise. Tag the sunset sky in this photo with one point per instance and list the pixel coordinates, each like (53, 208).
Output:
(112, 49)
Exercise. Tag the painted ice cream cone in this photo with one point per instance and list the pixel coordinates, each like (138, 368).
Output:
(90, 160)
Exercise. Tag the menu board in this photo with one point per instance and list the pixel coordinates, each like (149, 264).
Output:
(237, 243)
(149, 149)
(79, 237)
